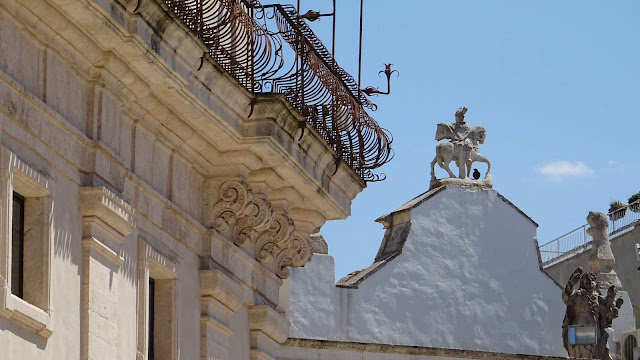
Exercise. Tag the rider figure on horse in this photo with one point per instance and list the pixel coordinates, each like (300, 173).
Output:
(463, 147)
(459, 134)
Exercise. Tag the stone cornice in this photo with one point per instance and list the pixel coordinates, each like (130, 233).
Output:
(387, 349)
(268, 321)
(215, 284)
(250, 221)
(100, 203)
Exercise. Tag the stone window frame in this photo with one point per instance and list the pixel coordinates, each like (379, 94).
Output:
(153, 264)
(16, 175)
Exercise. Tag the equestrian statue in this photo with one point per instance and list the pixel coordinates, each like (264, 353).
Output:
(463, 147)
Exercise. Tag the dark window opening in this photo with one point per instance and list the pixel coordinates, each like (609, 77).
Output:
(152, 313)
(17, 246)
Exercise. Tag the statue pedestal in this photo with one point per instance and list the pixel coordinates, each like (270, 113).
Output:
(485, 183)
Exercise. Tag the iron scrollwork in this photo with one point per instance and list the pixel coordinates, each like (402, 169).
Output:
(247, 39)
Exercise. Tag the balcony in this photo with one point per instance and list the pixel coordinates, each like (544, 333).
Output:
(269, 50)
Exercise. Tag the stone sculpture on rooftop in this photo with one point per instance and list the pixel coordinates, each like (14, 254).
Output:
(463, 149)
(586, 307)
(601, 260)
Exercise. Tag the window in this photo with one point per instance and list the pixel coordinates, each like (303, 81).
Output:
(157, 304)
(152, 315)
(25, 244)
(17, 246)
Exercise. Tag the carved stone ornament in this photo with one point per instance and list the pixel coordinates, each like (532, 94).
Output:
(463, 148)
(296, 252)
(271, 242)
(253, 224)
(235, 202)
(586, 307)
(260, 215)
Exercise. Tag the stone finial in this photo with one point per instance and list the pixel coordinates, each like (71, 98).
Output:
(601, 260)
(463, 148)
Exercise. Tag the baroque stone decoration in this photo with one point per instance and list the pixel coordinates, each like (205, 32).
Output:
(601, 260)
(463, 149)
(586, 307)
(253, 224)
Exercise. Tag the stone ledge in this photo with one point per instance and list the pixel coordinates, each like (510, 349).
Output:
(486, 183)
(410, 350)
(91, 244)
(24, 314)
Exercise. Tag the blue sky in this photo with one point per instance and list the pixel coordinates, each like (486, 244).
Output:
(555, 83)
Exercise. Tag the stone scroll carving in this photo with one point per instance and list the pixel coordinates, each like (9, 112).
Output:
(235, 202)
(271, 242)
(259, 216)
(296, 252)
(253, 224)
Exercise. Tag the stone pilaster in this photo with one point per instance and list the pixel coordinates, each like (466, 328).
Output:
(106, 220)
(268, 329)
(220, 298)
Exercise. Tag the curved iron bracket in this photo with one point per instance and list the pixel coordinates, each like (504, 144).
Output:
(337, 163)
(252, 103)
(301, 125)
(202, 61)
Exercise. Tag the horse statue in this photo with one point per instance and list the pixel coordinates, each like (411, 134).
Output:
(463, 150)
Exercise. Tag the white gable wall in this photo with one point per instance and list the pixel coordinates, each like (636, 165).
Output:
(468, 278)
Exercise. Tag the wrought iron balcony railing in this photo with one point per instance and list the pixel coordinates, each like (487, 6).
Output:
(246, 39)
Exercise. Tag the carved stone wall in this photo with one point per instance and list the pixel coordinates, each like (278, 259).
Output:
(251, 222)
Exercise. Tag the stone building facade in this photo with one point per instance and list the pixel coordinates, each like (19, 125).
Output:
(144, 213)
(153, 201)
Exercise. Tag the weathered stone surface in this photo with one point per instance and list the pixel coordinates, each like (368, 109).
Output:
(586, 307)
(318, 244)
(601, 260)
(486, 183)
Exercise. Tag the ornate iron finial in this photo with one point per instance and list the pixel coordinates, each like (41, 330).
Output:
(370, 90)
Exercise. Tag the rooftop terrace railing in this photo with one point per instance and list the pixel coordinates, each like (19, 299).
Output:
(249, 40)
(577, 241)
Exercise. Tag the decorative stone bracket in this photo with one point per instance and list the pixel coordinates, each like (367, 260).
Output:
(250, 221)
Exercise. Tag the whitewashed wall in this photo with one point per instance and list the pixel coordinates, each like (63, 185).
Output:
(467, 278)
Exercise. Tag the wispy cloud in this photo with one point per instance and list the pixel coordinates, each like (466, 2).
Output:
(561, 169)
(612, 163)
